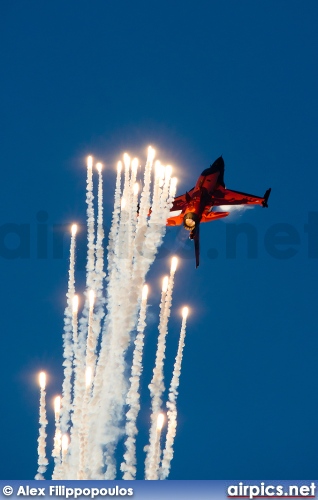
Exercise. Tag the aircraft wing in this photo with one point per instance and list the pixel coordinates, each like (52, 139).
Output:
(223, 196)
(181, 201)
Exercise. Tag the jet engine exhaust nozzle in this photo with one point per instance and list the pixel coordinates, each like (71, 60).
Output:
(190, 220)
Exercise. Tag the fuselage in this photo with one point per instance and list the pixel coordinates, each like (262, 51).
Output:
(201, 197)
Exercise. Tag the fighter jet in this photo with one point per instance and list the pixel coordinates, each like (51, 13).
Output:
(197, 205)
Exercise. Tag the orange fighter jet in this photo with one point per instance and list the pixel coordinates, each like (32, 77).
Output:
(196, 205)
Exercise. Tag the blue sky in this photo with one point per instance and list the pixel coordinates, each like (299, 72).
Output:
(194, 80)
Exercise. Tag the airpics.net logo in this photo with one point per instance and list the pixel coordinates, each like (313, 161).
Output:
(264, 490)
(41, 239)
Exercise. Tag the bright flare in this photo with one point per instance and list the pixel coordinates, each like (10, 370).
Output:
(151, 153)
(123, 203)
(119, 167)
(75, 304)
(99, 167)
(89, 162)
(136, 188)
(126, 159)
(74, 229)
(160, 421)
(165, 282)
(174, 264)
(185, 311)
(57, 406)
(134, 165)
(160, 170)
(42, 380)
(144, 292)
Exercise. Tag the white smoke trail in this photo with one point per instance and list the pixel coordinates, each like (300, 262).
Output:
(42, 460)
(153, 473)
(78, 396)
(127, 175)
(90, 264)
(89, 376)
(85, 323)
(106, 368)
(118, 337)
(95, 276)
(140, 265)
(56, 453)
(145, 194)
(74, 319)
(100, 231)
(68, 351)
(125, 287)
(128, 466)
(157, 192)
(133, 207)
(165, 284)
(115, 220)
(157, 223)
(83, 433)
(98, 382)
(75, 325)
(156, 386)
(65, 463)
(99, 263)
(101, 377)
(91, 344)
(172, 401)
(100, 392)
(133, 224)
(166, 185)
